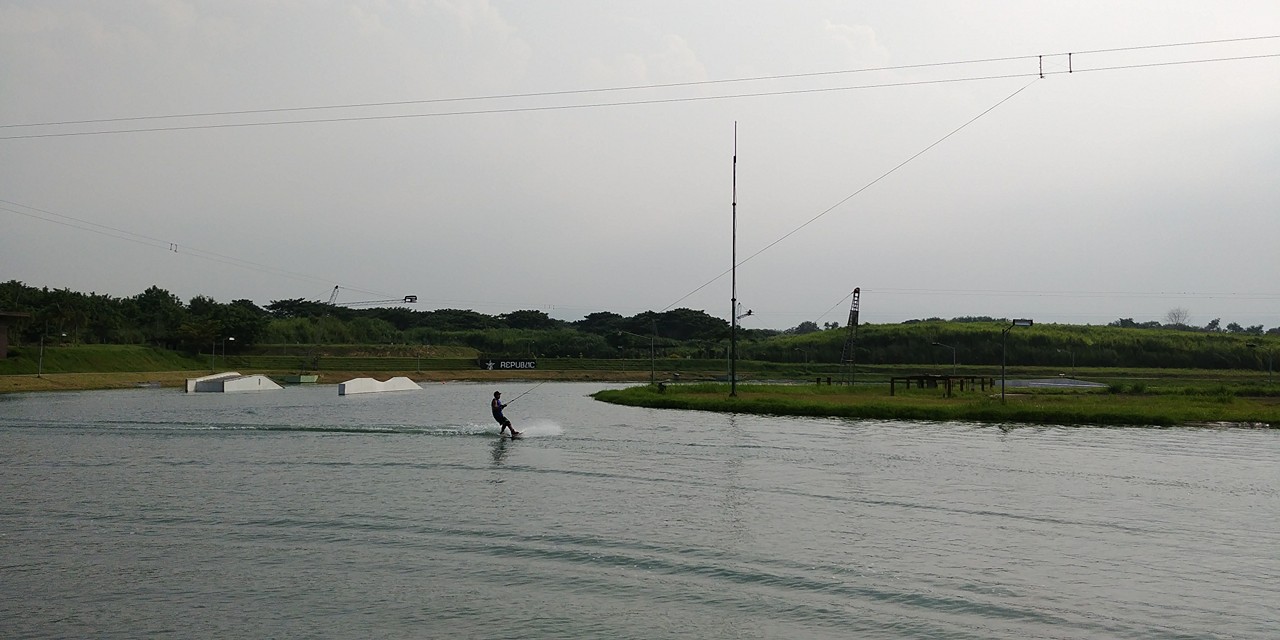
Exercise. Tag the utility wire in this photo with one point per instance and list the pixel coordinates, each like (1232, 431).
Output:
(157, 243)
(855, 193)
(670, 85)
(506, 110)
(939, 141)
(837, 304)
(1149, 65)
(508, 96)
(624, 103)
(1172, 44)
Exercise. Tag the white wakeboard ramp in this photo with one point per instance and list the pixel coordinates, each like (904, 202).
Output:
(231, 382)
(369, 385)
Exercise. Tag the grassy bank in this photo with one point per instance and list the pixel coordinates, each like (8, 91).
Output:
(1131, 396)
(106, 358)
(1189, 405)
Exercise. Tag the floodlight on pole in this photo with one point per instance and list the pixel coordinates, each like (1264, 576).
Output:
(953, 355)
(224, 349)
(1071, 352)
(1004, 334)
(653, 366)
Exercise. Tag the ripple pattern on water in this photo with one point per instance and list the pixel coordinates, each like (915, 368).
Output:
(146, 513)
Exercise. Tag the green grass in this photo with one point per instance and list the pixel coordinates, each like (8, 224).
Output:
(108, 358)
(874, 402)
(1132, 396)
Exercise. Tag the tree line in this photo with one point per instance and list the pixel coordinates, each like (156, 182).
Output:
(158, 317)
(938, 343)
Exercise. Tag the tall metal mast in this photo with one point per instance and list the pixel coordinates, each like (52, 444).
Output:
(733, 296)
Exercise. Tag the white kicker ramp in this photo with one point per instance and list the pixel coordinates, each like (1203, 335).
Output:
(231, 382)
(255, 382)
(369, 385)
(211, 382)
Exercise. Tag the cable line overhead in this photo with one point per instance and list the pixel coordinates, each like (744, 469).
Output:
(1038, 71)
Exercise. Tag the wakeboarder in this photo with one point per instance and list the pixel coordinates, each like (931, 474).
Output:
(496, 406)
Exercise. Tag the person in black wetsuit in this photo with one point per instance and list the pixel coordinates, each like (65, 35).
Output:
(496, 406)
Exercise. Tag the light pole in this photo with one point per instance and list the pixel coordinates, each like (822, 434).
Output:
(40, 363)
(804, 355)
(1072, 353)
(224, 349)
(653, 368)
(953, 355)
(1004, 334)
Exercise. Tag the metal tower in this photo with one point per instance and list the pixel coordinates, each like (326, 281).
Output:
(848, 357)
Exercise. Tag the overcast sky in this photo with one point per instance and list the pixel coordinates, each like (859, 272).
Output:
(1146, 180)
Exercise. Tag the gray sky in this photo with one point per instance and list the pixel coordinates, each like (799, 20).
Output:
(1085, 197)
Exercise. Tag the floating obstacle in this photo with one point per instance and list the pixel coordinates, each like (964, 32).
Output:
(369, 385)
(209, 382)
(231, 382)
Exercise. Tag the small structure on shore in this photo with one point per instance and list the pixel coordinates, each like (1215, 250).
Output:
(369, 385)
(946, 382)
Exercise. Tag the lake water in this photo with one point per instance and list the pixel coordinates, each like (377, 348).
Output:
(301, 514)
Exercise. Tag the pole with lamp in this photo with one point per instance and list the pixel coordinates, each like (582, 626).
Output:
(1004, 335)
(1072, 353)
(40, 364)
(653, 367)
(953, 355)
(224, 349)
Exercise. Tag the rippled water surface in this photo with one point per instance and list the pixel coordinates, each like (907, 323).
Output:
(298, 513)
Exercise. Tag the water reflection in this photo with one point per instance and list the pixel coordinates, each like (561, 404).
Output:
(499, 452)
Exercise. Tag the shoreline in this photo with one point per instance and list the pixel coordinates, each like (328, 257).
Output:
(1070, 408)
(53, 382)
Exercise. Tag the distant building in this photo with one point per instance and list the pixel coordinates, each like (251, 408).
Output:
(5, 318)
